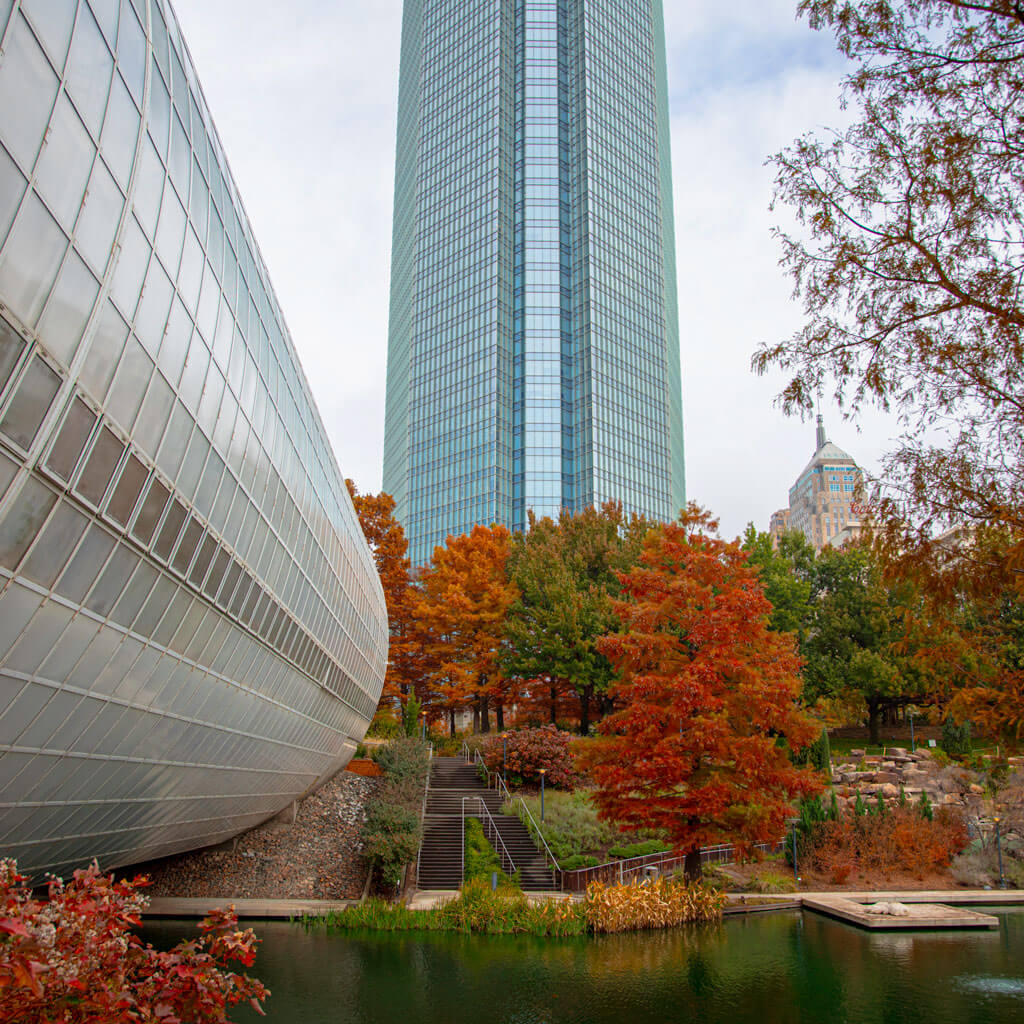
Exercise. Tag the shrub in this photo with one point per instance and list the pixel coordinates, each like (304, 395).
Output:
(482, 859)
(577, 862)
(385, 725)
(393, 830)
(625, 851)
(360, 751)
(403, 759)
(817, 754)
(73, 958)
(901, 840)
(570, 826)
(956, 739)
(529, 750)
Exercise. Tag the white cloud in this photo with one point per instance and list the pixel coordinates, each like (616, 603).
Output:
(304, 97)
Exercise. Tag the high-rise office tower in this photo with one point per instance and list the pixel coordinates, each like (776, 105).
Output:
(534, 340)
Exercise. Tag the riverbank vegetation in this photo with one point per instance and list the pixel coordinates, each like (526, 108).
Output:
(665, 903)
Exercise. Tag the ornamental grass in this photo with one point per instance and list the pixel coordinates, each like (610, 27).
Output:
(664, 903)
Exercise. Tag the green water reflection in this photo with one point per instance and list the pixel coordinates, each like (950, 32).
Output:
(780, 968)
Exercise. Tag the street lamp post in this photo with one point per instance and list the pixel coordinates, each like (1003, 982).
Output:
(504, 758)
(999, 851)
(543, 772)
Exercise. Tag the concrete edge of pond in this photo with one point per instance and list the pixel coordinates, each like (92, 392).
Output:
(269, 910)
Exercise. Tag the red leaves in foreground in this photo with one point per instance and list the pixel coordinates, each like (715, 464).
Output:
(705, 688)
(73, 958)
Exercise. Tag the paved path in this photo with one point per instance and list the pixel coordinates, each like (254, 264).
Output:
(173, 906)
(165, 906)
(951, 897)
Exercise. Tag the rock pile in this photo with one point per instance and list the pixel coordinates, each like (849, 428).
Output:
(318, 856)
(949, 785)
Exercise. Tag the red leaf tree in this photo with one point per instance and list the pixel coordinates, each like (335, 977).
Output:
(73, 958)
(390, 548)
(706, 689)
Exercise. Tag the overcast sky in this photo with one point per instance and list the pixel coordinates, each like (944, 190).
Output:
(304, 97)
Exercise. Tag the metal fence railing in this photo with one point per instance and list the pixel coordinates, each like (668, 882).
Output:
(423, 812)
(622, 872)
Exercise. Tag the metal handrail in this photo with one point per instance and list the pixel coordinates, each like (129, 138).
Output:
(501, 787)
(536, 831)
(632, 866)
(423, 813)
(503, 852)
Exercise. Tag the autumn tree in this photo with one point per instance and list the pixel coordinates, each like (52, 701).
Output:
(389, 546)
(567, 576)
(706, 688)
(910, 254)
(465, 594)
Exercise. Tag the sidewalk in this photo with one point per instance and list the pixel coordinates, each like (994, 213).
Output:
(165, 906)
(268, 910)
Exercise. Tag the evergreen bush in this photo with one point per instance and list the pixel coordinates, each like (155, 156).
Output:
(956, 738)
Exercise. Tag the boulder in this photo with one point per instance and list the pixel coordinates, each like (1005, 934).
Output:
(890, 778)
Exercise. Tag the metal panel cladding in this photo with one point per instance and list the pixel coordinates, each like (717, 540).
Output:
(534, 360)
(192, 632)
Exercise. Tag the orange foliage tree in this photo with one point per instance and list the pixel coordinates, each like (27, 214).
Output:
(390, 548)
(465, 594)
(706, 688)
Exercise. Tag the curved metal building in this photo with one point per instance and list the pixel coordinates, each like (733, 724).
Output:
(192, 631)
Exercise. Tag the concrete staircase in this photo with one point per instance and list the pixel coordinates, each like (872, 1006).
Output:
(451, 779)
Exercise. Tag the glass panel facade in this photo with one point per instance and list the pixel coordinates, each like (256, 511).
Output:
(533, 360)
(163, 469)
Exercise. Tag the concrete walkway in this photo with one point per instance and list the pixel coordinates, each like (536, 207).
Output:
(268, 910)
(165, 906)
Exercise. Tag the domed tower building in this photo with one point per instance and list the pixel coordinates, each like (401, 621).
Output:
(821, 502)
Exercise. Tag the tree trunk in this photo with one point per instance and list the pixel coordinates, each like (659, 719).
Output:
(692, 866)
(874, 706)
(554, 704)
(499, 713)
(476, 716)
(451, 722)
(585, 710)
(485, 714)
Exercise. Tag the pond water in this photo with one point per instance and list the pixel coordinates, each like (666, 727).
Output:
(787, 967)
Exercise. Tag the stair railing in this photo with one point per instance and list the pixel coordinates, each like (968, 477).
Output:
(533, 828)
(491, 831)
(423, 813)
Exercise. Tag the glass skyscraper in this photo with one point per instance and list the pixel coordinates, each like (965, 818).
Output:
(534, 341)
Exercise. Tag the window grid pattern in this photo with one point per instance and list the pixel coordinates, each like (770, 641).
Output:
(167, 486)
(543, 122)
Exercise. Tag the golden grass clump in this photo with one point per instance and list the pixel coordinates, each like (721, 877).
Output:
(664, 903)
